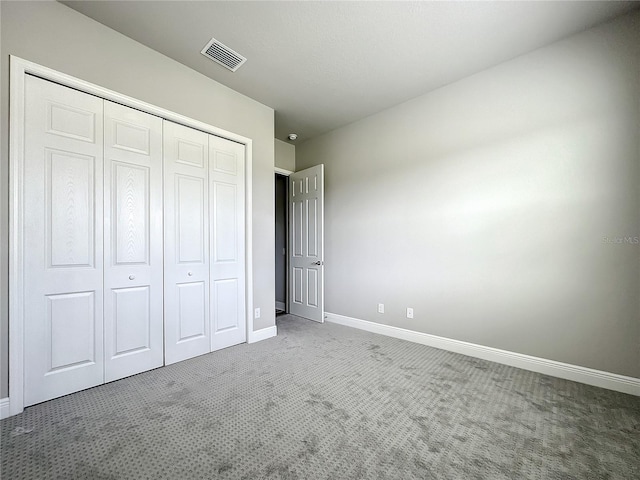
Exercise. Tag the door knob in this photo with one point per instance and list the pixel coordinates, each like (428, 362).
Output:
(317, 263)
(132, 277)
(190, 274)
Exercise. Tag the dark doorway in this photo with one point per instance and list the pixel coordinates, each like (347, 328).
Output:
(281, 242)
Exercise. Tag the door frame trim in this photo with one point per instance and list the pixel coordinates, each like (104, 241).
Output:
(283, 172)
(19, 68)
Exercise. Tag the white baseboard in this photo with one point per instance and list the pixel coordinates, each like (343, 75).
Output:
(281, 306)
(598, 378)
(253, 337)
(4, 408)
(262, 334)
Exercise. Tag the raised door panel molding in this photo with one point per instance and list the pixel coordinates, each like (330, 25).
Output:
(130, 194)
(192, 320)
(226, 162)
(131, 137)
(132, 320)
(297, 228)
(67, 121)
(311, 206)
(225, 315)
(312, 287)
(70, 331)
(225, 222)
(190, 153)
(190, 233)
(70, 208)
(296, 284)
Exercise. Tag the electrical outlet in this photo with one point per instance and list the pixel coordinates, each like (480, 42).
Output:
(257, 313)
(409, 312)
(381, 308)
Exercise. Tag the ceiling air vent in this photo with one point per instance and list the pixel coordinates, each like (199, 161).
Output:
(220, 53)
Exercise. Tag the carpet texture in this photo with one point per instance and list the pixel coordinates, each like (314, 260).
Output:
(328, 402)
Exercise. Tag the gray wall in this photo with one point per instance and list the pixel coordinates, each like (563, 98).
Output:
(53, 35)
(285, 155)
(483, 205)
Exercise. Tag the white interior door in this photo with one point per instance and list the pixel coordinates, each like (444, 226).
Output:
(133, 322)
(226, 190)
(306, 254)
(186, 247)
(63, 258)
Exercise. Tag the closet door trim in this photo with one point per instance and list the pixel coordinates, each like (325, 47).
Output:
(19, 69)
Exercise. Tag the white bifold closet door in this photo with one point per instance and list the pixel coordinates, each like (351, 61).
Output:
(204, 243)
(103, 299)
(92, 241)
(226, 191)
(133, 333)
(63, 258)
(186, 243)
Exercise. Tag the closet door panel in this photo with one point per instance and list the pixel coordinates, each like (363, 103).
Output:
(63, 268)
(70, 330)
(226, 173)
(132, 321)
(192, 308)
(190, 204)
(186, 253)
(133, 241)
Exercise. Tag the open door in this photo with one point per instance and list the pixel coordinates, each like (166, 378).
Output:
(306, 248)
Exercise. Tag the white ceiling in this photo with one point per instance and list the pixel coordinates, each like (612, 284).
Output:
(322, 65)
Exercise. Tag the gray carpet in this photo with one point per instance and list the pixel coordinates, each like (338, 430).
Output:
(329, 402)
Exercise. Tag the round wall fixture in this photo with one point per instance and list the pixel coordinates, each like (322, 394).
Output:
(293, 136)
